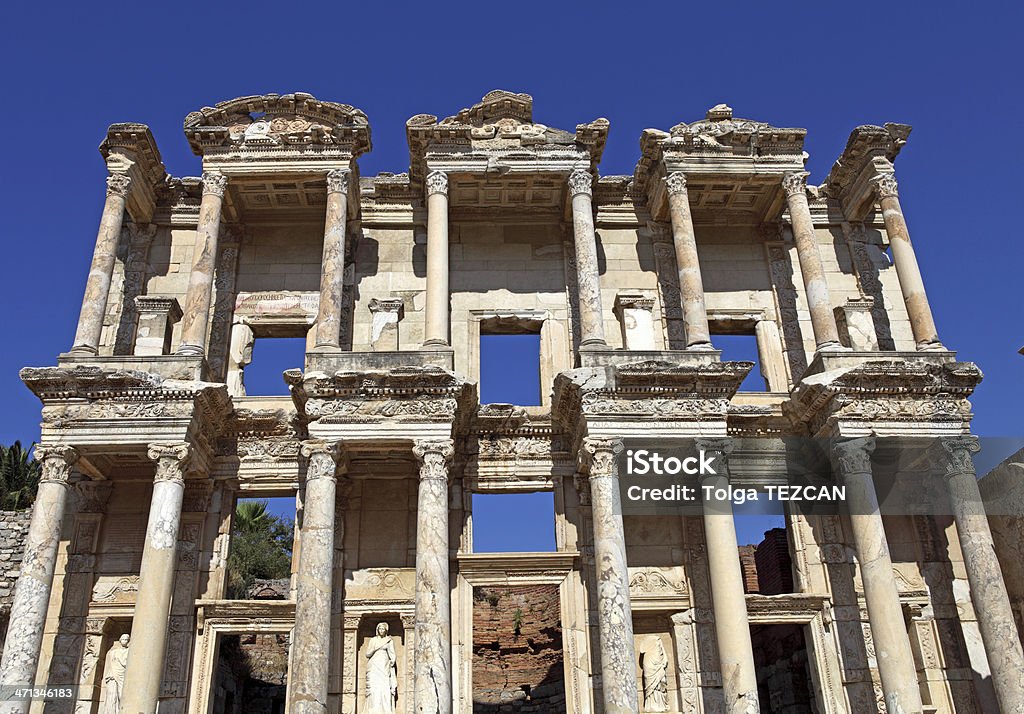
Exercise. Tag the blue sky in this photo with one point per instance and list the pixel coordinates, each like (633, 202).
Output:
(951, 70)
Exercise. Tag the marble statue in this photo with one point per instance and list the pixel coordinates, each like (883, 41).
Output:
(381, 673)
(654, 666)
(113, 675)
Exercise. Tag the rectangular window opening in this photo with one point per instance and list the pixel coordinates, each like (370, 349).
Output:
(260, 553)
(514, 522)
(510, 369)
(271, 357)
(742, 348)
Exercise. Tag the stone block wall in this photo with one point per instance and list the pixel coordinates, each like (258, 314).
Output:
(13, 526)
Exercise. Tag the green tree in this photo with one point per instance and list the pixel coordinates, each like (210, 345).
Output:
(261, 547)
(19, 477)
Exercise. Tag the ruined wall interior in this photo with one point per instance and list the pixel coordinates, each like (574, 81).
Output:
(500, 225)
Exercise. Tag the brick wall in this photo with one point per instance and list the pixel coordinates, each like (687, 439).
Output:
(749, 568)
(774, 566)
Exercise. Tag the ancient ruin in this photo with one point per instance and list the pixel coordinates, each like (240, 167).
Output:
(501, 226)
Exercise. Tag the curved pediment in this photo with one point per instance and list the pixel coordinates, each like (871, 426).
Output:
(277, 121)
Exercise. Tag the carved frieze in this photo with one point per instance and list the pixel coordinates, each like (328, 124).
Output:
(113, 589)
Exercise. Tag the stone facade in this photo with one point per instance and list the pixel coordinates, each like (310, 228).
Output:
(503, 225)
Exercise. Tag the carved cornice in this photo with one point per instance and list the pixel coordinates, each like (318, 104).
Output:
(214, 183)
(56, 463)
(580, 182)
(599, 455)
(337, 181)
(171, 461)
(437, 182)
(118, 185)
(434, 455)
(795, 183)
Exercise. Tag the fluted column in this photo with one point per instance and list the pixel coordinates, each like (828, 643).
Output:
(32, 591)
(332, 274)
(435, 332)
(922, 324)
(614, 611)
(732, 629)
(588, 279)
(156, 580)
(432, 668)
(988, 591)
(101, 271)
(307, 691)
(896, 668)
(196, 319)
(691, 285)
(823, 320)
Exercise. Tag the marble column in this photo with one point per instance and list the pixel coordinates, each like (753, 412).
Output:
(732, 629)
(432, 668)
(911, 285)
(988, 591)
(896, 667)
(823, 320)
(435, 331)
(196, 319)
(310, 665)
(691, 285)
(32, 591)
(156, 580)
(588, 280)
(614, 611)
(101, 271)
(328, 319)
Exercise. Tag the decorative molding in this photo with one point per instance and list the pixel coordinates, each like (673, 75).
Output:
(600, 456)
(885, 186)
(433, 456)
(675, 182)
(323, 457)
(214, 183)
(337, 181)
(118, 185)
(955, 455)
(56, 463)
(171, 460)
(580, 181)
(853, 456)
(437, 182)
(795, 183)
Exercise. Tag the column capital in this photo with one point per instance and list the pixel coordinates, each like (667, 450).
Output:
(434, 456)
(675, 182)
(337, 180)
(795, 183)
(853, 455)
(56, 462)
(437, 182)
(118, 185)
(719, 447)
(171, 460)
(580, 181)
(214, 183)
(600, 454)
(885, 186)
(953, 454)
(323, 458)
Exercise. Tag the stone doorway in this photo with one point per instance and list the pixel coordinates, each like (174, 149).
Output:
(252, 673)
(785, 683)
(517, 650)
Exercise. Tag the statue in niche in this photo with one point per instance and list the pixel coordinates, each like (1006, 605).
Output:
(654, 667)
(113, 675)
(381, 673)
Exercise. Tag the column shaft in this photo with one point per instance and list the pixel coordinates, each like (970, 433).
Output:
(32, 591)
(588, 280)
(691, 285)
(196, 319)
(614, 611)
(732, 629)
(432, 668)
(894, 655)
(145, 666)
(922, 324)
(823, 320)
(101, 271)
(988, 591)
(435, 331)
(310, 663)
(328, 321)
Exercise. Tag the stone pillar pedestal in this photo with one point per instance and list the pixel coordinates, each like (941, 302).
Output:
(328, 320)
(636, 316)
(97, 287)
(157, 316)
(823, 322)
(310, 659)
(988, 591)
(196, 319)
(732, 630)
(588, 280)
(387, 313)
(156, 580)
(856, 323)
(911, 284)
(435, 331)
(614, 611)
(32, 591)
(896, 668)
(691, 285)
(432, 667)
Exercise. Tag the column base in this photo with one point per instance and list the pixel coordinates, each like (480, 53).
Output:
(701, 346)
(439, 345)
(190, 350)
(931, 346)
(326, 347)
(83, 350)
(594, 346)
(833, 347)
